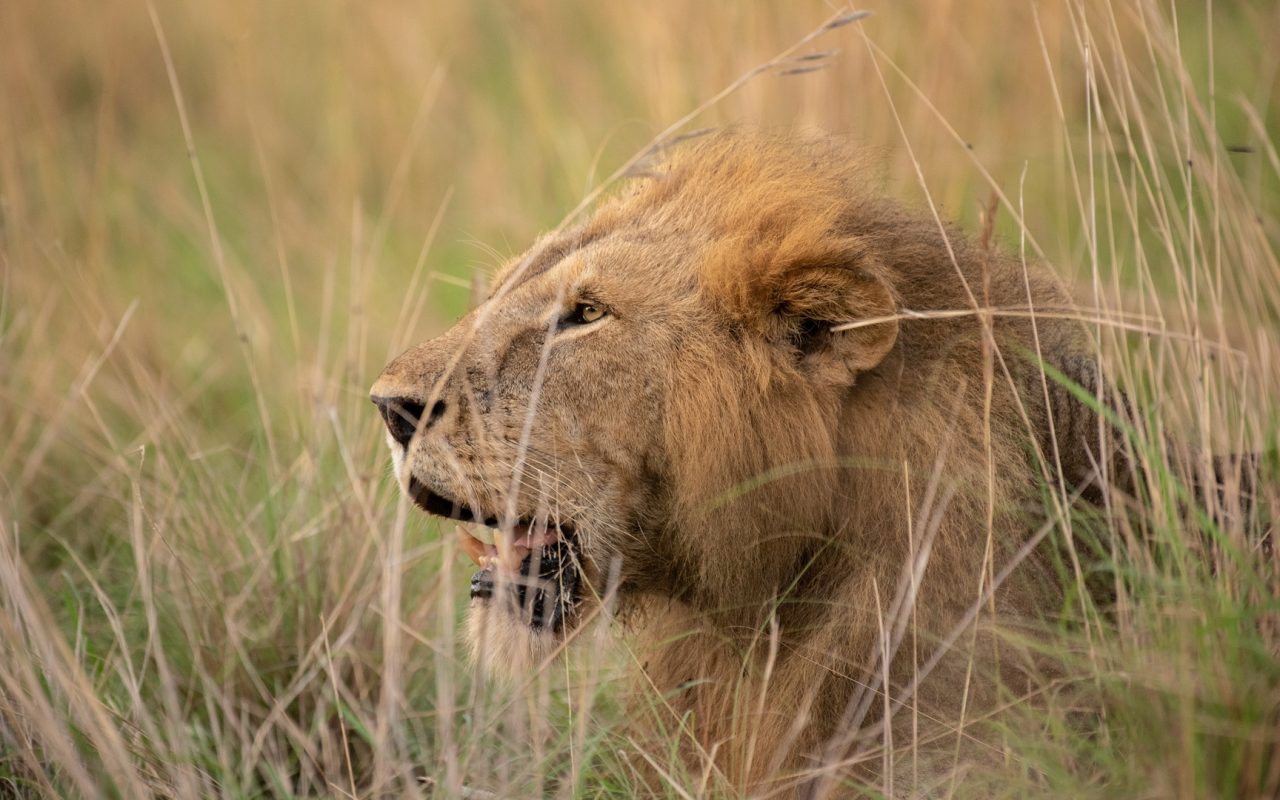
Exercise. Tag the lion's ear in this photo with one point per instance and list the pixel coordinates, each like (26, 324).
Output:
(837, 314)
(799, 286)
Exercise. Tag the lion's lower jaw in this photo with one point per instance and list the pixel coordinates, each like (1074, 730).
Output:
(504, 646)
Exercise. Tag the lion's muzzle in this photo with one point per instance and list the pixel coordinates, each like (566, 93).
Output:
(542, 593)
(532, 569)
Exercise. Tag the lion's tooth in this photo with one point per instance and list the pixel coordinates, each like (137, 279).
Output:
(481, 532)
(472, 546)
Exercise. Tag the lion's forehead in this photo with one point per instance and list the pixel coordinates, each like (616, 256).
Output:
(623, 267)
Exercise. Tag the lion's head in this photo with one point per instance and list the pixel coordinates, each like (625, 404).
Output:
(727, 393)
(609, 405)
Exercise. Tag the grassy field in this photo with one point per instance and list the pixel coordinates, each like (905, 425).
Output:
(219, 220)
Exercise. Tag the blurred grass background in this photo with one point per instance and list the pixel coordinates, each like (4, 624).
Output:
(209, 585)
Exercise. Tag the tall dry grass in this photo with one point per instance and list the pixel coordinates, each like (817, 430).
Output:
(208, 586)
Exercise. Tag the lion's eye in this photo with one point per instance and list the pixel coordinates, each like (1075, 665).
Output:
(583, 314)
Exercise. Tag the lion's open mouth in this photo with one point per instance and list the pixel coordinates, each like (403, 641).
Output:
(537, 562)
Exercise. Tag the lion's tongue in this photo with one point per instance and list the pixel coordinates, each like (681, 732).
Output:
(524, 539)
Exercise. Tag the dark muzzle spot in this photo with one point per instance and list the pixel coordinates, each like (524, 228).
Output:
(401, 416)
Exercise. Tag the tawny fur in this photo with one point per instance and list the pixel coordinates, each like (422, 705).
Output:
(757, 481)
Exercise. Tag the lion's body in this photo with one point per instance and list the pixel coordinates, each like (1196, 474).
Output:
(779, 499)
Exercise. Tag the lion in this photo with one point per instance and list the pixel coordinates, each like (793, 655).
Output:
(786, 432)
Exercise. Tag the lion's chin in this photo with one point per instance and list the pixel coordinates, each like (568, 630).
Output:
(503, 646)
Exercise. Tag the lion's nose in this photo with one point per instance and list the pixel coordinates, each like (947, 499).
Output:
(403, 415)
